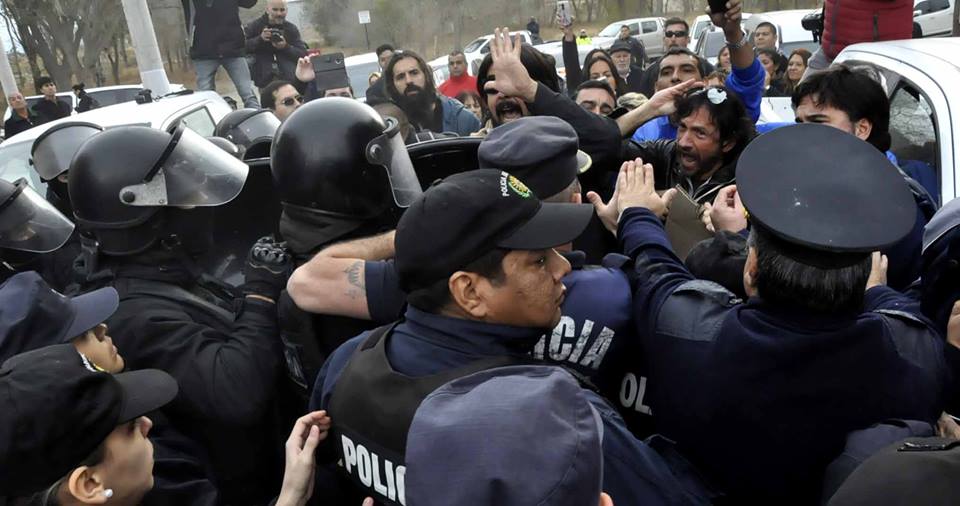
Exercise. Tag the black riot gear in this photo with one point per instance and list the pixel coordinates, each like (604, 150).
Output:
(252, 130)
(28, 222)
(53, 149)
(121, 178)
(228, 146)
(339, 176)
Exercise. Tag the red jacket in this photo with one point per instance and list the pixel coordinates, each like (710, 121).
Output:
(453, 86)
(847, 22)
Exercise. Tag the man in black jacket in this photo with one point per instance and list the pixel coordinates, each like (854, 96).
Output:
(217, 40)
(50, 108)
(21, 117)
(275, 44)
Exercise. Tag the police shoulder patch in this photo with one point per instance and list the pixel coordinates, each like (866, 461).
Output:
(518, 187)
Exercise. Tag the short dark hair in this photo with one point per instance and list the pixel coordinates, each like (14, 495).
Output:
(382, 48)
(773, 28)
(536, 63)
(391, 87)
(597, 84)
(323, 93)
(730, 116)
(701, 63)
(462, 96)
(43, 81)
(784, 281)
(433, 298)
(456, 52)
(779, 62)
(854, 93)
(603, 56)
(267, 100)
(677, 21)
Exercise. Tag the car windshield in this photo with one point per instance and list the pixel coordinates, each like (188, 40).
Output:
(359, 75)
(474, 46)
(113, 97)
(15, 164)
(611, 30)
(700, 27)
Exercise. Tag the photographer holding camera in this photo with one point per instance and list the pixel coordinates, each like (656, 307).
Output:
(275, 45)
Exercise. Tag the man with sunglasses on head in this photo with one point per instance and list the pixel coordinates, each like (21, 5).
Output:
(281, 97)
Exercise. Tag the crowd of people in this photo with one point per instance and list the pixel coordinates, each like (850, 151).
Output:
(504, 289)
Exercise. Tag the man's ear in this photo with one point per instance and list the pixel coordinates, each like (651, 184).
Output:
(750, 273)
(862, 128)
(467, 294)
(727, 146)
(85, 486)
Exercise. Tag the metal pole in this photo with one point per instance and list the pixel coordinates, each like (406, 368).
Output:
(6, 72)
(367, 35)
(140, 24)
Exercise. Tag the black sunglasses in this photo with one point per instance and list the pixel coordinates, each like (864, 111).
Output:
(290, 100)
(672, 34)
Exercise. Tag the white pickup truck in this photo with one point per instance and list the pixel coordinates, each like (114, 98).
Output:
(479, 47)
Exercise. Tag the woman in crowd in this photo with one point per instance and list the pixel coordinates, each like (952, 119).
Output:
(374, 77)
(599, 65)
(723, 59)
(796, 66)
(775, 65)
(471, 100)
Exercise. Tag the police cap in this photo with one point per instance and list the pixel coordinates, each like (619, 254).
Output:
(946, 219)
(817, 190)
(542, 151)
(467, 215)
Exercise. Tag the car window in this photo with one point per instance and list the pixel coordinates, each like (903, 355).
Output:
(112, 97)
(199, 121)
(485, 49)
(790, 47)
(649, 26)
(699, 28)
(359, 76)
(473, 46)
(713, 42)
(923, 7)
(913, 133)
(939, 5)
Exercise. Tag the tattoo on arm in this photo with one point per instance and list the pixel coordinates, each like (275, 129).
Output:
(355, 279)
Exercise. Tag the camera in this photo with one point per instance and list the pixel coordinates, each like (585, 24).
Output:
(813, 22)
(276, 35)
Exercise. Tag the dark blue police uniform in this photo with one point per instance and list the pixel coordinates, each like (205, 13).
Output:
(424, 344)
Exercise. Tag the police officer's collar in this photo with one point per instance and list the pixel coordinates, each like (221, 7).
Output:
(470, 336)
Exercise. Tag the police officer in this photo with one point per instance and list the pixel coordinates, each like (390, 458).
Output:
(337, 180)
(29, 228)
(481, 291)
(143, 200)
(940, 265)
(252, 130)
(596, 335)
(50, 156)
(762, 395)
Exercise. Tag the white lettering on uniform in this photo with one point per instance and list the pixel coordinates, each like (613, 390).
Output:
(598, 350)
(565, 328)
(349, 453)
(363, 465)
(368, 470)
(632, 393)
(582, 341)
(556, 345)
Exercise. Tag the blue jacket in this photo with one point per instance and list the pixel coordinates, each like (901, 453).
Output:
(760, 396)
(423, 344)
(457, 119)
(747, 83)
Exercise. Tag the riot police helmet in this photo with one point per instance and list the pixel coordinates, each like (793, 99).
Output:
(53, 149)
(121, 178)
(227, 146)
(251, 129)
(29, 223)
(338, 156)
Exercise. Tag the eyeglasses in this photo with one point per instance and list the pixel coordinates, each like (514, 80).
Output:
(672, 34)
(290, 100)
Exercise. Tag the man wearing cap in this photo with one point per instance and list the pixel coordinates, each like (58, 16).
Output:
(761, 395)
(623, 55)
(73, 434)
(595, 337)
(465, 431)
(481, 292)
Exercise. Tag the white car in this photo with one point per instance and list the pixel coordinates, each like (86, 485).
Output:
(703, 24)
(479, 47)
(934, 17)
(790, 32)
(200, 111)
(104, 95)
(649, 31)
(441, 69)
(359, 67)
(924, 105)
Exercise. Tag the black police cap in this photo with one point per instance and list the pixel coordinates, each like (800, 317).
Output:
(827, 196)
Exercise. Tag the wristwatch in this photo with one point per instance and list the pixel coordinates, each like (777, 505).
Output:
(740, 44)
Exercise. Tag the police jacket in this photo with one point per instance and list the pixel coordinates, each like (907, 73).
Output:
(662, 154)
(264, 53)
(595, 336)
(425, 344)
(759, 396)
(214, 28)
(224, 353)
